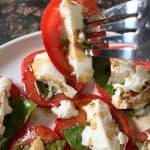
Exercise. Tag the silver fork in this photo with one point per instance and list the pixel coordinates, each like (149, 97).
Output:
(129, 25)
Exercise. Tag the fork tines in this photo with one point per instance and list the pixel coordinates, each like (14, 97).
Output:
(127, 24)
(127, 9)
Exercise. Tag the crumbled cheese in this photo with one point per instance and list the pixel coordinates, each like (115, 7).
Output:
(81, 37)
(44, 69)
(131, 84)
(120, 69)
(66, 110)
(122, 138)
(5, 84)
(37, 144)
(73, 20)
(137, 80)
(102, 134)
(148, 138)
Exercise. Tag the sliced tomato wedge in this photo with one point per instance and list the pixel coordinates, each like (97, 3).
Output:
(29, 83)
(52, 27)
(62, 124)
(28, 134)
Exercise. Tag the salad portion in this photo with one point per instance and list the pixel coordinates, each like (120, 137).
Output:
(72, 101)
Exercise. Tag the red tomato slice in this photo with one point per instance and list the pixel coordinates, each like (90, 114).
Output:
(143, 136)
(29, 83)
(52, 26)
(28, 134)
(142, 63)
(15, 92)
(62, 124)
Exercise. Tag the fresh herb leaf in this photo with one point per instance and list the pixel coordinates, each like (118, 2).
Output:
(102, 72)
(45, 90)
(130, 112)
(57, 145)
(73, 136)
(52, 92)
(142, 146)
(18, 147)
(4, 143)
(22, 109)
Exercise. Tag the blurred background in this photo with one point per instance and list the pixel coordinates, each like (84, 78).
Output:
(20, 17)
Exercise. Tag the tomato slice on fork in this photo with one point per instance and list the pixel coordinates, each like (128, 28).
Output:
(52, 27)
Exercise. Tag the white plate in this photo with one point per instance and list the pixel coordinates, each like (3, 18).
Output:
(13, 52)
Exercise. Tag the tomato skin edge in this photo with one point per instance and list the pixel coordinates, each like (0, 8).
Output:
(52, 39)
(31, 132)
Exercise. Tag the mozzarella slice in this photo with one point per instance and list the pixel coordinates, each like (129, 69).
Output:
(81, 63)
(44, 69)
(5, 84)
(66, 110)
(73, 20)
(131, 84)
(103, 133)
(37, 144)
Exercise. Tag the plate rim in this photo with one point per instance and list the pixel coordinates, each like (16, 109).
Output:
(19, 39)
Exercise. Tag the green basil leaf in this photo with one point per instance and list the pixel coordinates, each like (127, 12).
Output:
(45, 90)
(4, 142)
(18, 147)
(22, 109)
(73, 136)
(56, 145)
(142, 146)
(102, 72)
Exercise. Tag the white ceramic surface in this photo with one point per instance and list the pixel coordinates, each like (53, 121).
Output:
(13, 52)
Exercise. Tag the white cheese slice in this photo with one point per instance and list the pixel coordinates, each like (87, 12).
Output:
(81, 63)
(5, 84)
(103, 133)
(37, 144)
(44, 69)
(66, 110)
(73, 20)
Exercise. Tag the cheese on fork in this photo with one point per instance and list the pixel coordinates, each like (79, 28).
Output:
(103, 133)
(73, 20)
(131, 84)
(5, 84)
(44, 69)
